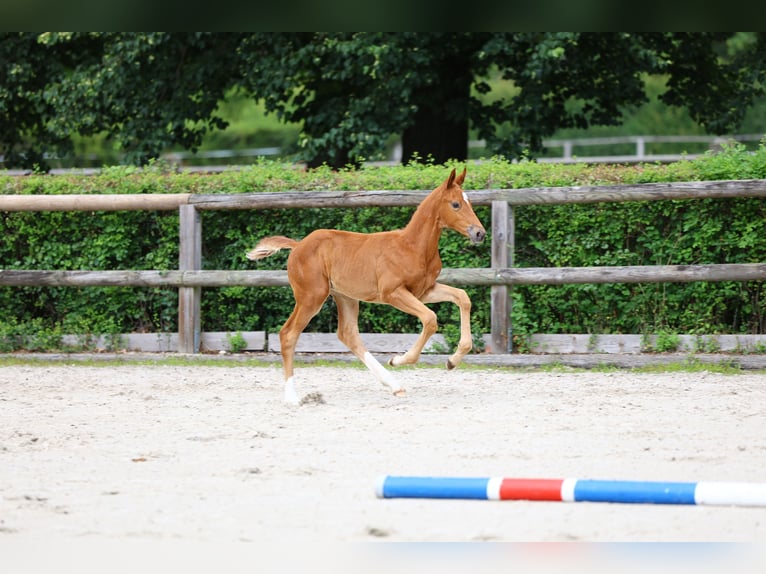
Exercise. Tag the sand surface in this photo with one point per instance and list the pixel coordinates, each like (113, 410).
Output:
(209, 454)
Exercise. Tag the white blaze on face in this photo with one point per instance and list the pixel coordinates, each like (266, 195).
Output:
(465, 197)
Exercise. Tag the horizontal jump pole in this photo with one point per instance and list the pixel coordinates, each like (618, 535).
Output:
(573, 490)
(467, 276)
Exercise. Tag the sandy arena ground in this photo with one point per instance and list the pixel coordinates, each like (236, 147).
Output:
(211, 454)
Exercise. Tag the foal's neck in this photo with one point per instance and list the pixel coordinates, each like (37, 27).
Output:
(424, 228)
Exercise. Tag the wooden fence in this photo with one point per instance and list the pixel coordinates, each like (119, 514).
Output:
(190, 278)
(639, 143)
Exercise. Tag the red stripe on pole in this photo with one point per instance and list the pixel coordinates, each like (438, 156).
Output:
(531, 489)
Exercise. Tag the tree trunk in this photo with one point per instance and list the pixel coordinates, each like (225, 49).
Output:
(433, 137)
(440, 126)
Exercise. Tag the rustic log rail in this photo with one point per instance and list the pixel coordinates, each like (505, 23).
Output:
(189, 278)
(467, 276)
(382, 198)
(91, 202)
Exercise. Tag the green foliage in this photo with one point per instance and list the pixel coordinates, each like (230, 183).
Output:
(349, 92)
(145, 91)
(646, 233)
(91, 240)
(633, 233)
(26, 68)
(664, 342)
(236, 342)
(704, 344)
(31, 336)
(249, 126)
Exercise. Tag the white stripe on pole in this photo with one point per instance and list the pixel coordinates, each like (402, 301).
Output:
(493, 487)
(730, 493)
(567, 489)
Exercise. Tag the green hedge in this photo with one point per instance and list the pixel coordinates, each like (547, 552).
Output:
(633, 233)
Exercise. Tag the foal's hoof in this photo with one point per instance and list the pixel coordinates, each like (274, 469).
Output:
(450, 366)
(400, 393)
(291, 398)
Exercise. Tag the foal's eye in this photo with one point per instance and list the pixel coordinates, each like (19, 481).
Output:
(455, 205)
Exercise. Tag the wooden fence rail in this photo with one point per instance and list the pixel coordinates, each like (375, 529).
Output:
(384, 198)
(189, 278)
(465, 276)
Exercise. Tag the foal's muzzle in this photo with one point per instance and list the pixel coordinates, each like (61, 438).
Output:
(476, 234)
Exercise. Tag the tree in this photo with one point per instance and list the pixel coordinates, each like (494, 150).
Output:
(562, 80)
(715, 76)
(587, 79)
(145, 91)
(441, 99)
(352, 91)
(27, 67)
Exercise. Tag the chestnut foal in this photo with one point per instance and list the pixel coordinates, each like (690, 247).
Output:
(398, 268)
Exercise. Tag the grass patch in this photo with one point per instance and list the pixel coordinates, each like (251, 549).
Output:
(111, 361)
(692, 365)
(688, 365)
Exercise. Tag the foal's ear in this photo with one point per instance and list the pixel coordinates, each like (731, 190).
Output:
(450, 179)
(461, 178)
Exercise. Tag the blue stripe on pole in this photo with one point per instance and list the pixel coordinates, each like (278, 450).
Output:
(634, 491)
(434, 487)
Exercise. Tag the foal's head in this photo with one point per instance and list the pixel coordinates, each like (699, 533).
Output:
(455, 211)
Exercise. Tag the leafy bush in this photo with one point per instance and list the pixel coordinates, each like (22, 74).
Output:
(632, 233)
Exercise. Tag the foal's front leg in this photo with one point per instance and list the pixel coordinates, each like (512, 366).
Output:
(440, 293)
(348, 333)
(407, 302)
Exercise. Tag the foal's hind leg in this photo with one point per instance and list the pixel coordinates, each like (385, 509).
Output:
(308, 302)
(348, 333)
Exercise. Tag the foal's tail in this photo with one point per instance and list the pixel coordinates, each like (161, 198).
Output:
(270, 245)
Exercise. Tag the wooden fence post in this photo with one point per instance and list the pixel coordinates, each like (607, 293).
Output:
(189, 298)
(502, 257)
